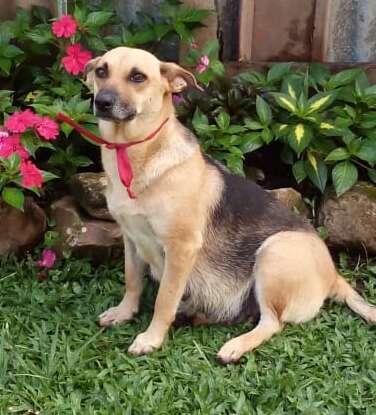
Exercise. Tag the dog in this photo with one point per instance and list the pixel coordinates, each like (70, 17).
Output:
(216, 242)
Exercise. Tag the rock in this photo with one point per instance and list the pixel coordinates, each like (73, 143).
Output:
(351, 218)
(292, 199)
(21, 231)
(85, 237)
(88, 190)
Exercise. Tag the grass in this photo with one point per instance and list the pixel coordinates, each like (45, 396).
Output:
(55, 360)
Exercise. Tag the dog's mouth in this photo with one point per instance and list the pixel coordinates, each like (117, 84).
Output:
(109, 116)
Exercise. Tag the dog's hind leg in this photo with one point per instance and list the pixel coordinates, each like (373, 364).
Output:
(129, 305)
(294, 274)
(234, 349)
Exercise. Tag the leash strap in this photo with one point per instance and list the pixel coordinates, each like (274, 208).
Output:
(123, 163)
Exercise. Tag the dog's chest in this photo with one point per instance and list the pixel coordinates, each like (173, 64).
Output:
(136, 227)
(139, 231)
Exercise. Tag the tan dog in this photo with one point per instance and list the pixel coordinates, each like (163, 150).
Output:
(214, 240)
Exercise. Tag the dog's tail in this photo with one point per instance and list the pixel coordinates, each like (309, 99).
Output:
(344, 293)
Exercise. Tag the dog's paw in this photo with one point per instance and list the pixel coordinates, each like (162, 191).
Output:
(144, 343)
(115, 315)
(230, 352)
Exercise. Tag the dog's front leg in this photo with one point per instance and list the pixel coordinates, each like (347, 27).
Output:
(129, 305)
(179, 261)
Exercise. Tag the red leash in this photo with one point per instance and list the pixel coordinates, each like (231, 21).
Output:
(123, 162)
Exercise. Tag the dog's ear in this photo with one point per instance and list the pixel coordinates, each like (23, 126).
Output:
(89, 72)
(178, 78)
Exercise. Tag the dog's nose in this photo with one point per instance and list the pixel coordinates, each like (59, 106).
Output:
(105, 100)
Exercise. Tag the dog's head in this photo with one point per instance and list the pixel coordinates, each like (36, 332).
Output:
(130, 83)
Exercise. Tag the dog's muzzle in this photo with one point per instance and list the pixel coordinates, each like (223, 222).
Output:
(108, 106)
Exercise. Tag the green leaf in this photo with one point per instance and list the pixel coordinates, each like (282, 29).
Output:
(252, 125)
(253, 77)
(217, 67)
(96, 44)
(320, 101)
(83, 106)
(97, 19)
(211, 48)
(142, 37)
(263, 111)
(5, 65)
(281, 130)
(350, 111)
(79, 14)
(302, 103)
(354, 146)
(338, 154)
(368, 120)
(161, 30)
(235, 163)
(251, 142)
(293, 85)
(200, 121)
(299, 137)
(367, 151)
(10, 51)
(236, 129)
(182, 30)
(42, 36)
(81, 161)
(47, 176)
(298, 169)
(343, 78)
(14, 197)
(328, 128)
(267, 135)
(278, 71)
(320, 73)
(371, 90)
(316, 171)
(344, 176)
(192, 15)
(223, 120)
(285, 101)
(372, 175)
(323, 232)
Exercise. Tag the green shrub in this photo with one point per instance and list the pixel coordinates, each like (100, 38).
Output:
(325, 123)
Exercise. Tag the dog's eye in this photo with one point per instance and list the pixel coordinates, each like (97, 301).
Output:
(137, 77)
(101, 72)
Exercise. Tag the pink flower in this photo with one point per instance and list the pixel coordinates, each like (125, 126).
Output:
(194, 45)
(177, 99)
(11, 144)
(4, 134)
(203, 64)
(76, 59)
(20, 121)
(48, 259)
(47, 128)
(66, 26)
(31, 175)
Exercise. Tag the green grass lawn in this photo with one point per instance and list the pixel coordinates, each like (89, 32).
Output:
(55, 360)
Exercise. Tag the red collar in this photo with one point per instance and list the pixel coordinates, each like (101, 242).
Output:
(124, 164)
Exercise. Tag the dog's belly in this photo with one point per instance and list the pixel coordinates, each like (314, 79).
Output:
(217, 295)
